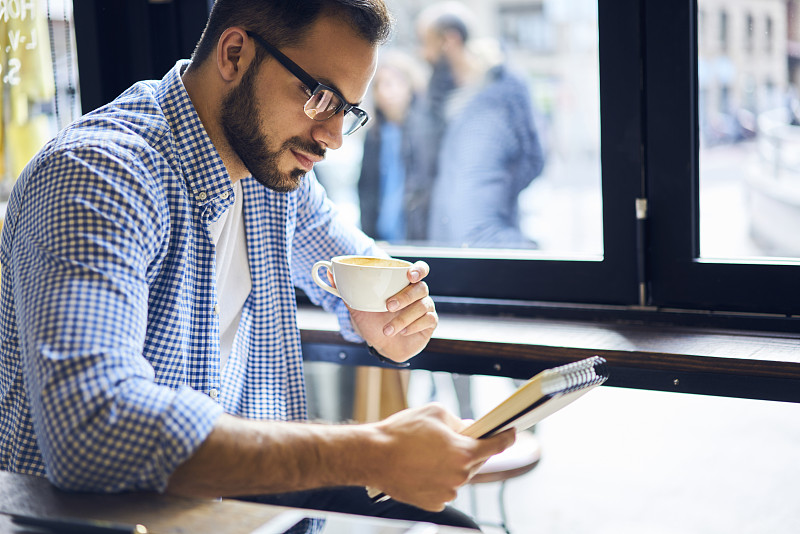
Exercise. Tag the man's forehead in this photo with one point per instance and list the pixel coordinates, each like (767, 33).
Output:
(334, 54)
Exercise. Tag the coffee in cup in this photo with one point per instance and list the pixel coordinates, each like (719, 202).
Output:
(364, 282)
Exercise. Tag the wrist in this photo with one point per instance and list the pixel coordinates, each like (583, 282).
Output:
(372, 350)
(352, 454)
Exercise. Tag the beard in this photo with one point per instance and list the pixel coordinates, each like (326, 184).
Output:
(442, 81)
(239, 119)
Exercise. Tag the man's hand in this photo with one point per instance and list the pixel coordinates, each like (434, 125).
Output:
(425, 460)
(406, 328)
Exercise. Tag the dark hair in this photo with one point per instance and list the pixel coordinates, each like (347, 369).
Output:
(285, 22)
(452, 22)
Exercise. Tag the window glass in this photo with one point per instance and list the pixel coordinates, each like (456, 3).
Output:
(38, 71)
(485, 131)
(749, 128)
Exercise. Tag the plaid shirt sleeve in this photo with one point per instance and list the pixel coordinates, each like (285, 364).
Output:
(85, 238)
(320, 235)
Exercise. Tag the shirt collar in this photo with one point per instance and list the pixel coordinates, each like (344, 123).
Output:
(206, 176)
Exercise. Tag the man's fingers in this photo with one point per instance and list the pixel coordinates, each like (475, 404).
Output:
(418, 271)
(406, 297)
(417, 317)
(496, 444)
(427, 324)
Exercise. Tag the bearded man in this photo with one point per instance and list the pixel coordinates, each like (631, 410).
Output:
(149, 258)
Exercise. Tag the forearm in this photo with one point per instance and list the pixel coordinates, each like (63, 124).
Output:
(416, 456)
(245, 457)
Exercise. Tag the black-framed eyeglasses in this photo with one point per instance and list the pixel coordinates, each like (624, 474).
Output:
(323, 101)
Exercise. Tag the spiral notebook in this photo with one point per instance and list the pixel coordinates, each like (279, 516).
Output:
(541, 396)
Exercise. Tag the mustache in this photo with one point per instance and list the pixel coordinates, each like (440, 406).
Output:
(304, 146)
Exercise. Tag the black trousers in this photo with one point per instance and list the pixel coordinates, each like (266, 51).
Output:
(354, 500)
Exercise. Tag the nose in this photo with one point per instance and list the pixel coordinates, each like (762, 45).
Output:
(329, 132)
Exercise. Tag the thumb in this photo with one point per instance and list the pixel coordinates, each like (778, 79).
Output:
(496, 444)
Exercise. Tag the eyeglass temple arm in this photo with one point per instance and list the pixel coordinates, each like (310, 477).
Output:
(293, 67)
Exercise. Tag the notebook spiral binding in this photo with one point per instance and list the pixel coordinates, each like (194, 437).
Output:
(583, 373)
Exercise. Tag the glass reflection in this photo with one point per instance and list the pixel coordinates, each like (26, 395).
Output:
(749, 123)
(38, 81)
(486, 133)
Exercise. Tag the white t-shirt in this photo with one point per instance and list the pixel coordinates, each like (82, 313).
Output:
(233, 271)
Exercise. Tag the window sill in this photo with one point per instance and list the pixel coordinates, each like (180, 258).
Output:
(746, 364)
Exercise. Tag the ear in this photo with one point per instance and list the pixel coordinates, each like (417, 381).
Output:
(235, 51)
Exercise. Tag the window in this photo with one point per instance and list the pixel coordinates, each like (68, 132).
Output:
(38, 80)
(651, 118)
(528, 201)
(745, 152)
(683, 229)
(719, 234)
(531, 116)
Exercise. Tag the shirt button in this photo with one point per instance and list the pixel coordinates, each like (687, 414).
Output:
(224, 195)
(214, 393)
(201, 196)
(216, 309)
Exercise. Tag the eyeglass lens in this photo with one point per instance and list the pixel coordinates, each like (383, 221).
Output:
(324, 104)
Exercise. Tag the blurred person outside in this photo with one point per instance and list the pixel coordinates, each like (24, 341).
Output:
(387, 150)
(475, 144)
(488, 150)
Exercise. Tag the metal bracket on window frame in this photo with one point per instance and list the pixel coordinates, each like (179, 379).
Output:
(641, 242)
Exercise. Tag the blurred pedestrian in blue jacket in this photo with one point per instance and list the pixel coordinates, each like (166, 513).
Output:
(489, 149)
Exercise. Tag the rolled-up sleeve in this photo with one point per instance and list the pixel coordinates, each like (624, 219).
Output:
(85, 236)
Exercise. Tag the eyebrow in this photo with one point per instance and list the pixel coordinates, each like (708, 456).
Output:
(332, 85)
(303, 73)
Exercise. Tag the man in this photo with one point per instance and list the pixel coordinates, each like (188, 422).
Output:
(149, 256)
(480, 137)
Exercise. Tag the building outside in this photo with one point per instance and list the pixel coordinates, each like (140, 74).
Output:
(742, 64)
(748, 111)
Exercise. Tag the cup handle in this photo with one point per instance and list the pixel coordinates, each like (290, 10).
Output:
(324, 285)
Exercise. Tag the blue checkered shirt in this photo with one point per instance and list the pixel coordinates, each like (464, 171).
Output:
(110, 371)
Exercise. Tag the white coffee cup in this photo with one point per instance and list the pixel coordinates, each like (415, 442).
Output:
(365, 283)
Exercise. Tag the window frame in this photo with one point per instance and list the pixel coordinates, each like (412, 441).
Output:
(614, 280)
(678, 276)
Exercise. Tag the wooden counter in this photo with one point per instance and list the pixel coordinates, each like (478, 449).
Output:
(691, 360)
